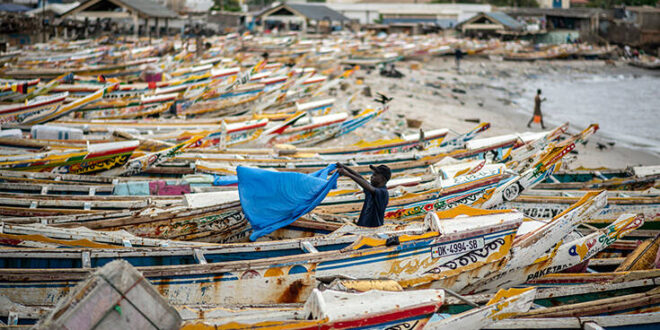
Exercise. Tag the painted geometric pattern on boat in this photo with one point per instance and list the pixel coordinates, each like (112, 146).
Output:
(286, 281)
(77, 164)
(306, 136)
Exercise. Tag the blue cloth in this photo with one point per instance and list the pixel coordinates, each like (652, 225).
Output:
(224, 180)
(272, 200)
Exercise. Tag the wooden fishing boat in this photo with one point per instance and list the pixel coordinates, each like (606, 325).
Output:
(44, 236)
(230, 134)
(502, 306)
(429, 139)
(579, 193)
(224, 107)
(97, 158)
(43, 205)
(10, 185)
(635, 178)
(330, 309)
(140, 164)
(562, 257)
(52, 178)
(643, 257)
(522, 157)
(218, 223)
(549, 296)
(565, 295)
(632, 304)
(544, 207)
(140, 111)
(371, 61)
(626, 321)
(307, 130)
(121, 104)
(158, 252)
(27, 73)
(497, 266)
(9, 55)
(288, 278)
(59, 59)
(163, 125)
(546, 54)
(46, 116)
(589, 174)
(646, 62)
(505, 304)
(17, 113)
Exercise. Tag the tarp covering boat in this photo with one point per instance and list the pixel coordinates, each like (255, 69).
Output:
(272, 200)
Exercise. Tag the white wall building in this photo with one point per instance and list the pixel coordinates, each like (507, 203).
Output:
(443, 13)
(565, 4)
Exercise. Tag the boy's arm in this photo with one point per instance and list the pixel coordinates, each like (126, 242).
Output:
(348, 169)
(344, 170)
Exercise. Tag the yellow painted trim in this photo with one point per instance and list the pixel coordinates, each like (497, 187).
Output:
(508, 293)
(43, 239)
(375, 242)
(587, 197)
(463, 209)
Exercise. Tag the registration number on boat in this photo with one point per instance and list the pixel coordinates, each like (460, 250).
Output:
(457, 247)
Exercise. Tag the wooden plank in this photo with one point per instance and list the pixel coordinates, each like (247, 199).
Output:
(40, 212)
(598, 307)
(605, 261)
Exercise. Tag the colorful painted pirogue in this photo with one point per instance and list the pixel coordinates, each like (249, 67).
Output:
(331, 309)
(291, 278)
(17, 113)
(634, 178)
(97, 158)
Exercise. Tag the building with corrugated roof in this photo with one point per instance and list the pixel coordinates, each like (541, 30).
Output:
(492, 23)
(444, 15)
(301, 17)
(145, 10)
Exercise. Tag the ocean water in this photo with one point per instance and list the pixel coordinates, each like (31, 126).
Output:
(626, 107)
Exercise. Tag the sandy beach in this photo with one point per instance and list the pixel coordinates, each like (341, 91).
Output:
(489, 91)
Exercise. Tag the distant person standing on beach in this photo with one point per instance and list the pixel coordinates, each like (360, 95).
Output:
(458, 54)
(538, 116)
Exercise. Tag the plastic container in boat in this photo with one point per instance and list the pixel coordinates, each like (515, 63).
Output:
(43, 132)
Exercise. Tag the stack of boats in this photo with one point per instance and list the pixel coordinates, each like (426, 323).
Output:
(129, 152)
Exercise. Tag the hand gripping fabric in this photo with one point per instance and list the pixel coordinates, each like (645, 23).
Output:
(272, 200)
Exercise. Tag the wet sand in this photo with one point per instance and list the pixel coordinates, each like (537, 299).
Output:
(487, 90)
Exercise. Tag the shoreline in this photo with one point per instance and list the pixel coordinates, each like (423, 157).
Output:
(488, 90)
